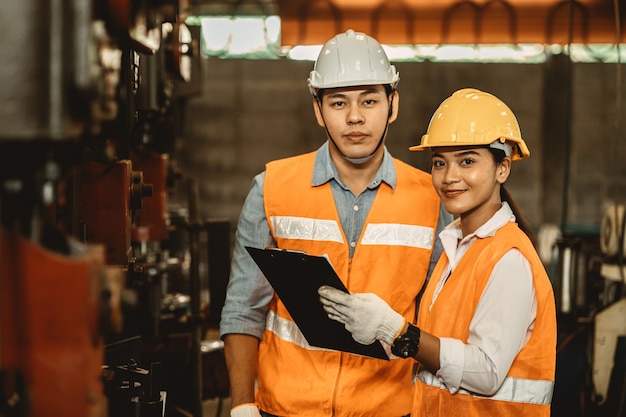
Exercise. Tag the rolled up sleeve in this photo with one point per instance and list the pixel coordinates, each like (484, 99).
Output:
(248, 293)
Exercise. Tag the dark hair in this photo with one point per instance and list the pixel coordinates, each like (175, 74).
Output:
(388, 90)
(505, 195)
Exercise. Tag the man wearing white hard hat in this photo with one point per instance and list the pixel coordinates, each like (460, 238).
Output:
(374, 217)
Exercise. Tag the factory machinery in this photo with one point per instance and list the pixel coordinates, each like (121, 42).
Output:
(109, 277)
(587, 267)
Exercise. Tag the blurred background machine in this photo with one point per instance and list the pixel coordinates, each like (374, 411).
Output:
(105, 296)
(589, 279)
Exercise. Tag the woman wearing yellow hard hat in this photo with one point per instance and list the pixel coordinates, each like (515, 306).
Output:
(485, 337)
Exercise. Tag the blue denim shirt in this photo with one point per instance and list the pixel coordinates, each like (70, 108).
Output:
(249, 293)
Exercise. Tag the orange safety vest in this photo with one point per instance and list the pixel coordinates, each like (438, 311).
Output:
(527, 388)
(391, 259)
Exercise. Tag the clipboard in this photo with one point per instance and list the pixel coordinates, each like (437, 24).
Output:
(296, 277)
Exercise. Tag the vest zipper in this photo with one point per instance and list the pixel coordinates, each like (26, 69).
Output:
(336, 389)
(341, 356)
(349, 271)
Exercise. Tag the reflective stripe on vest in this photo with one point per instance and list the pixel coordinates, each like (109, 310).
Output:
(398, 235)
(515, 390)
(289, 227)
(287, 330)
(392, 234)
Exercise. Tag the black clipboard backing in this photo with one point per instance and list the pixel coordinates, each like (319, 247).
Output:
(296, 277)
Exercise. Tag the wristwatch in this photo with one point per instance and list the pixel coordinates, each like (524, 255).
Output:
(408, 344)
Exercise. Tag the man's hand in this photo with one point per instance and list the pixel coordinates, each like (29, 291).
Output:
(367, 316)
(245, 410)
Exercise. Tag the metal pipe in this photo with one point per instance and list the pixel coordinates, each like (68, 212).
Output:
(193, 227)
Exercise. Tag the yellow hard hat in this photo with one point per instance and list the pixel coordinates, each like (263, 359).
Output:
(472, 117)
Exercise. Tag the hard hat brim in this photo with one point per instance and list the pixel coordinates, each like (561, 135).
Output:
(520, 150)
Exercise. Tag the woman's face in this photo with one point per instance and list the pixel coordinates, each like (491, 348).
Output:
(468, 182)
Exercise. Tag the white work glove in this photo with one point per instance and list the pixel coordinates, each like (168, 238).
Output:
(245, 410)
(367, 316)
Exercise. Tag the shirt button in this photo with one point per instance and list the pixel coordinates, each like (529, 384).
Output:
(352, 244)
(355, 208)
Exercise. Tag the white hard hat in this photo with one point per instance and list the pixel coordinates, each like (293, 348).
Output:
(352, 59)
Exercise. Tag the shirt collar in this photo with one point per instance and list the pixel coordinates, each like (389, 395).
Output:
(325, 170)
(489, 228)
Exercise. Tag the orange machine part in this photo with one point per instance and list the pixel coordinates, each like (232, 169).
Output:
(152, 219)
(49, 321)
(105, 207)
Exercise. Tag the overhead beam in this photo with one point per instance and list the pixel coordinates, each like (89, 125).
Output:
(452, 21)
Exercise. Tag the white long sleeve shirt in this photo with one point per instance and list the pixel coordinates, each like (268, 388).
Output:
(504, 317)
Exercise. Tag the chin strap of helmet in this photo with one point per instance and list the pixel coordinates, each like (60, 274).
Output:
(356, 161)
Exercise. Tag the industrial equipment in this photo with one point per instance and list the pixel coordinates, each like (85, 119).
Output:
(104, 294)
(587, 269)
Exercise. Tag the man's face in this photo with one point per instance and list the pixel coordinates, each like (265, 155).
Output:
(356, 117)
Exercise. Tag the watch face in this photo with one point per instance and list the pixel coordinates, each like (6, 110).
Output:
(407, 345)
(404, 347)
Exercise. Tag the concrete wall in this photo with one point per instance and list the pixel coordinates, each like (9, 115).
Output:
(250, 112)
